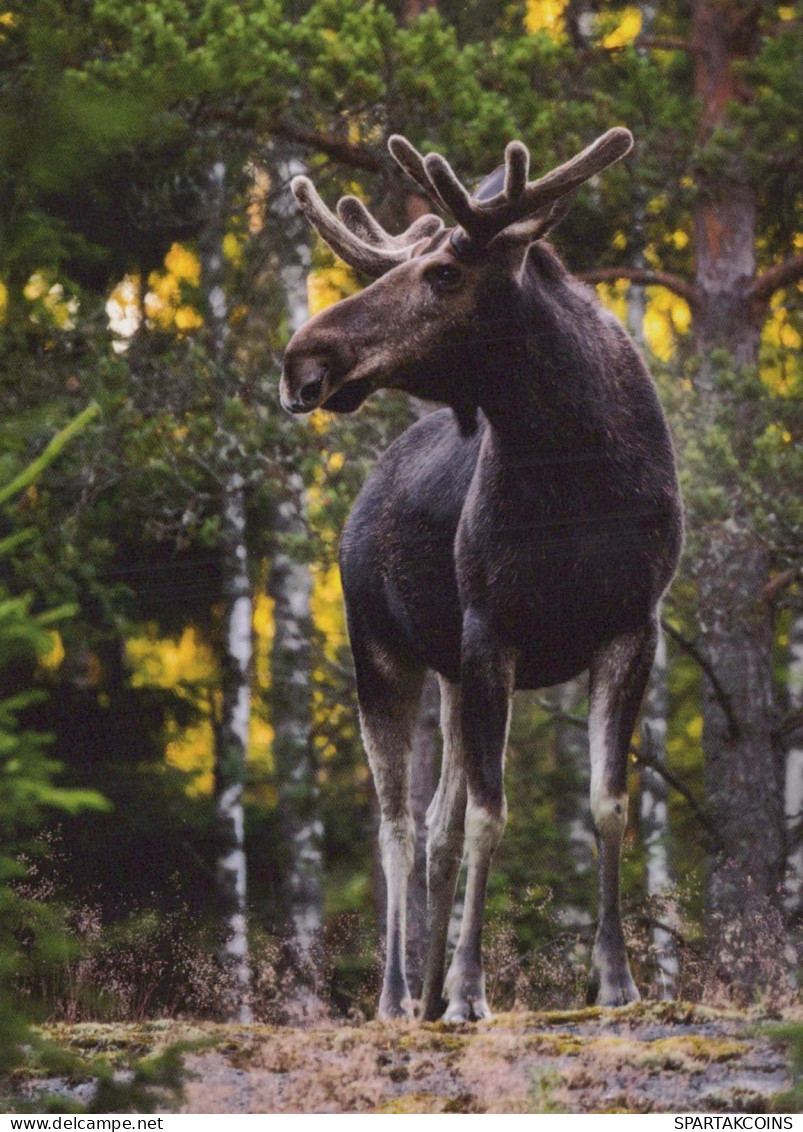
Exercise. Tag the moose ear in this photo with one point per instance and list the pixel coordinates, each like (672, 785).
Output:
(536, 227)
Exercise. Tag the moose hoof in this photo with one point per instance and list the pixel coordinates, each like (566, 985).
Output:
(395, 1006)
(466, 995)
(607, 989)
(467, 1010)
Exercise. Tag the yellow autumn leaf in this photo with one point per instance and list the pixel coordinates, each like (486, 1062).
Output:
(183, 264)
(328, 285)
(55, 655)
(192, 752)
(628, 29)
(613, 297)
(36, 287)
(667, 316)
(165, 662)
(233, 247)
(187, 318)
(544, 15)
(327, 608)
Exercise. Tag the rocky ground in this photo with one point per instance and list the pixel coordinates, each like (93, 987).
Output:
(663, 1057)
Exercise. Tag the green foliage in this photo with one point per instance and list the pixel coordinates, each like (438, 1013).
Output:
(790, 1036)
(28, 792)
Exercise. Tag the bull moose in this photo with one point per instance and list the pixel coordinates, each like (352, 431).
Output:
(519, 536)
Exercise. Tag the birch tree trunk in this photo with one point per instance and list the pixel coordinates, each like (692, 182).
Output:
(231, 731)
(290, 586)
(423, 783)
(793, 801)
(654, 823)
(573, 807)
(654, 800)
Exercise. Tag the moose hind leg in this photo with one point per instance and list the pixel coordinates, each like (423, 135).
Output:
(619, 674)
(445, 824)
(388, 703)
(487, 677)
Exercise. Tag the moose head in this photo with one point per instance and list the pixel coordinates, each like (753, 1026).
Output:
(441, 292)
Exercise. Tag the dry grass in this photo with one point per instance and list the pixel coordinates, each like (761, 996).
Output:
(644, 1058)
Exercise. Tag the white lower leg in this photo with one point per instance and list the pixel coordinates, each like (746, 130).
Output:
(611, 982)
(445, 832)
(465, 982)
(397, 843)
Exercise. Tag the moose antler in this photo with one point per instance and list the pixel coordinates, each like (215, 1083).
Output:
(519, 199)
(362, 242)
(356, 236)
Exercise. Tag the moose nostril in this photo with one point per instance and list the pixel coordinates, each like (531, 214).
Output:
(310, 392)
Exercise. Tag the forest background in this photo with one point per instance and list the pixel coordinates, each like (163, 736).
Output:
(187, 817)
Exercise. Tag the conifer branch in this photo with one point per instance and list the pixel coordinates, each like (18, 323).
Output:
(643, 759)
(347, 153)
(645, 277)
(721, 696)
(46, 458)
(781, 275)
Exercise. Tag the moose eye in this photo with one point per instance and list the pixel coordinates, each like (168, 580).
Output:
(444, 277)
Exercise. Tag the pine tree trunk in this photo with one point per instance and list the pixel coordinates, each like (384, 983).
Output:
(231, 731)
(743, 776)
(654, 826)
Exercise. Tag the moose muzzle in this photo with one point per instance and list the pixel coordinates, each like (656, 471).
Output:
(305, 382)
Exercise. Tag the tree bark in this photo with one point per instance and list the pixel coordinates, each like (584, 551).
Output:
(654, 825)
(232, 726)
(793, 897)
(743, 778)
(290, 586)
(573, 807)
(423, 782)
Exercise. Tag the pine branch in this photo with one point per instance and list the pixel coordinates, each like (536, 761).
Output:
(51, 452)
(771, 280)
(664, 43)
(722, 697)
(702, 817)
(653, 922)
(789, 726)
(779, 583)
(644, 277)
(345, 152)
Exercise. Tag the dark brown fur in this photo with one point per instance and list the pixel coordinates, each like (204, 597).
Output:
(515, 539)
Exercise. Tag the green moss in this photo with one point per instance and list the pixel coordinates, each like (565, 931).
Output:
(555, 1045)
(413, 1102)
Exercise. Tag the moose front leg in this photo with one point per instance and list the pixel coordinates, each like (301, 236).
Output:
(487, 673)
(619, 674)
